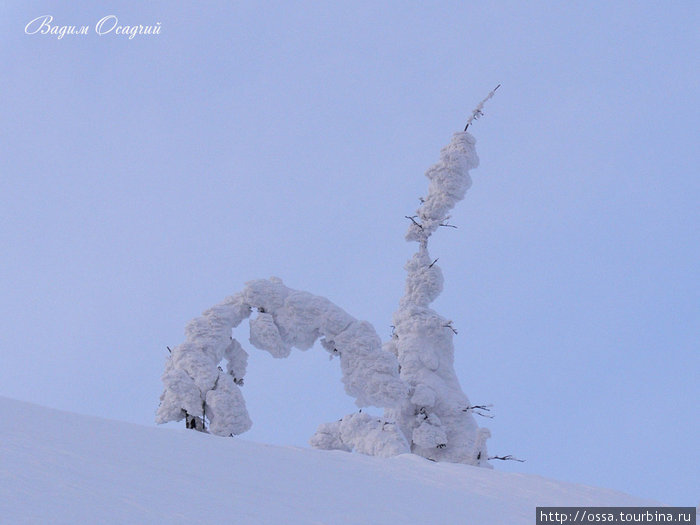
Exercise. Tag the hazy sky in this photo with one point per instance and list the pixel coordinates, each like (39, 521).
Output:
(144, 180)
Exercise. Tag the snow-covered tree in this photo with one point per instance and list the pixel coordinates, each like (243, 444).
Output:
(436, 416)
(412, 375)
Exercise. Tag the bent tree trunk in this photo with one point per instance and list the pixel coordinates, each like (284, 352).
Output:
(196, 385)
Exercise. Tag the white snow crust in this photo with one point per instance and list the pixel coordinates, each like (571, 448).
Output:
(362, 433)
(62, 468)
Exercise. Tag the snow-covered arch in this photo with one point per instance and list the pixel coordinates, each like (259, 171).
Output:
(196, 385)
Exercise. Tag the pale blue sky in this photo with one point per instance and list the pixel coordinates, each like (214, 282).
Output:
(142, 181)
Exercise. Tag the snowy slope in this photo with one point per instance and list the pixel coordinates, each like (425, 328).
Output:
(59, 467)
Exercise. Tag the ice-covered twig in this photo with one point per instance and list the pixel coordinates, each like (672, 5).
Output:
(509, 457)
(479, 110)
(476, 409)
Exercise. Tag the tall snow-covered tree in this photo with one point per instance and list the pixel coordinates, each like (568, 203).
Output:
(435, 419)
(412, 375)
(436, 416)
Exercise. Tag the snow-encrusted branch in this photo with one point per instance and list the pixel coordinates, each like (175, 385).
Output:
(479, 410)
(509, 457)
(479, 110)
(195, 385)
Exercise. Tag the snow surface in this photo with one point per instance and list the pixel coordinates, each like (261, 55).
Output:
(58, 467)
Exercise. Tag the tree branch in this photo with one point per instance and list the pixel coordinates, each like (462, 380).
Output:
(413, 220)
(449, 325)
(509, 457)
(477, 408)
(479, 110)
